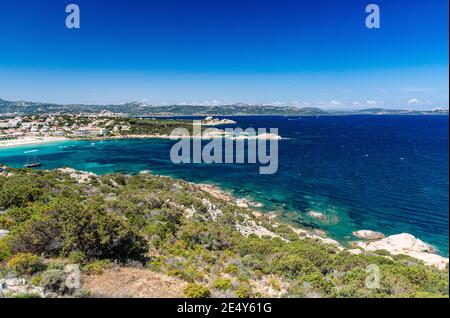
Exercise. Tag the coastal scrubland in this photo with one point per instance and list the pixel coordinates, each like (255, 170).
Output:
(130, 234)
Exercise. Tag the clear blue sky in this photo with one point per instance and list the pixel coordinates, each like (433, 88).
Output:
(315, 52)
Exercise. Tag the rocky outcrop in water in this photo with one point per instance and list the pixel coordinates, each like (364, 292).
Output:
(316, 215)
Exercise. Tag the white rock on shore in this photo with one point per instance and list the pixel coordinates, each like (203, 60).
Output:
(368, 235)
(242, 203)
(355, 251)
(406, 244)
(79, 176)
(226, 196)
(302, 233)
(4, 172)
(247, 228)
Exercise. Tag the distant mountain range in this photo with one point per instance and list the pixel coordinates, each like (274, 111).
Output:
(10, 108)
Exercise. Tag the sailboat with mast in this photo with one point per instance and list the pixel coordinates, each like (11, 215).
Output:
(34, 162)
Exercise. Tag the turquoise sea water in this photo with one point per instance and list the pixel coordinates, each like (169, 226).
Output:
(383, 173)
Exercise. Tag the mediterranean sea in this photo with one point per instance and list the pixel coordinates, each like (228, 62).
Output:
(381, 173)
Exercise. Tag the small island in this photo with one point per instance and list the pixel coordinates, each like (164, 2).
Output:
(211, 121)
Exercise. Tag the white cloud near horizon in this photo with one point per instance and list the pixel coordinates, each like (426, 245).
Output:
(413, 101)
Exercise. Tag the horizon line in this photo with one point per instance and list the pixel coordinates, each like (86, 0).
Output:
(193, 104)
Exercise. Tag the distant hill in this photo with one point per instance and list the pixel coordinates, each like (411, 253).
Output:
(383, 111)
(236, 109)
(144, 109)
(12, 108)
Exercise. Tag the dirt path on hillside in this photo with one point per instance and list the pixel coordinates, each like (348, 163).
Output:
(135, 283)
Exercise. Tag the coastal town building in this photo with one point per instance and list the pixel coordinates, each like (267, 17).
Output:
(89, 131)
(11, 123)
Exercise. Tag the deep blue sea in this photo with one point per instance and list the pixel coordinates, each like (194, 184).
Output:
(383, 173)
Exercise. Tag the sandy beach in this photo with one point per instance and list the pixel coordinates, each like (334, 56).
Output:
(29, 141)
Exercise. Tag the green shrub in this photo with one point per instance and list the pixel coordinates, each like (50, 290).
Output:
(196, 291)
(54, 280)
(26, 295)
(189, 274)
(82, 293)
(184, 199)
(63, 226)
(55, 264)
(231, 269)
(36, 280)
(213, 236)
(428, 295)
(99, 234)
(19, 191)
(97, 267)
(292, 266)
(255, 245)
(382, 252)
(244, 291)
(5, 251)
(155, 265)
(17, 215)
(319, 283)
(222, 284)
(25, 264)
(160, 229)
(274, 282)
(77, 257)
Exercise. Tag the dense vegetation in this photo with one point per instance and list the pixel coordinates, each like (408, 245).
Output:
(172, 227)
(156, 126)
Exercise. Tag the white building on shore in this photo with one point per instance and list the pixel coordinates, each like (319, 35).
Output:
(89, 131)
